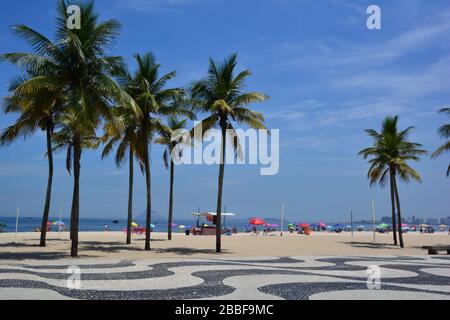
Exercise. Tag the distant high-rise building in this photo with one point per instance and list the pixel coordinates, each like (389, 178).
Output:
(419, 221)
(386, 219)
(432, 221)
(445, 221)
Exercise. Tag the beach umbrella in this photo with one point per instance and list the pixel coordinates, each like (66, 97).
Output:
(174, 225)
(152, 226)
(304, 225)
(291, 225)
(59, 223)
(182, 227)
(322, 225)
(257, 222)
(134, 225)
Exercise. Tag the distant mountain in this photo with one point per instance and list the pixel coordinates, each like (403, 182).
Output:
(157, 217)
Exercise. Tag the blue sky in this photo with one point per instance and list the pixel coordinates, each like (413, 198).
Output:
(328, 76)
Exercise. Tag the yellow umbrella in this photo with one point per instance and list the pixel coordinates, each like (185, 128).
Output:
(134, 225)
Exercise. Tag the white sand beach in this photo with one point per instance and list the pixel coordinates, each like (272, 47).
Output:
(111, 245)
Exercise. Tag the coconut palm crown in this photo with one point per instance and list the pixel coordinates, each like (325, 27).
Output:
(389, 157)
(221, 95)
(444, 132)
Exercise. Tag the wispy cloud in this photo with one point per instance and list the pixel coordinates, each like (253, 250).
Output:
(154, 5)
(334, 52)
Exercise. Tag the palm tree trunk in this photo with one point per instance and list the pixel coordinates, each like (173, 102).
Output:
(219, 195)
(149, 200)
(169, 226)
(394, 228)
(399, 218)
(130, 196)
(49, 186)
(76, 196)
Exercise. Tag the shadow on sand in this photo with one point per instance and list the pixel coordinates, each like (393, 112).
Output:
(36, 255)
(107, 246)
(190, 251)
(371, 245)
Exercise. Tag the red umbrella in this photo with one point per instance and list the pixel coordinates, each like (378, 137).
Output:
(304, 225)
(257, 222)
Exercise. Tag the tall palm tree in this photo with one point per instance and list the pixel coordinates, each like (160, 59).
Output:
(444, 132)
(37, 111)
(172, 143)
(221, 95)
(78, 63)
(147, 89)
(125, 135)
(389, 156)
(65, 138)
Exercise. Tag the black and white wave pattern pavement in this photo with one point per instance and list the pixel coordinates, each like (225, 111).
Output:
(293, 278)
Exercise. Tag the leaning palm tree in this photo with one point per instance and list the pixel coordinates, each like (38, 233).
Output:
(147, 89)
(171, 138)
(37, 111)
(389, 157)
(444, 132)
(221, 95)
(123, 133)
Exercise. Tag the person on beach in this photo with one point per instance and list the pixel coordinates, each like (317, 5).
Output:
(106, 228)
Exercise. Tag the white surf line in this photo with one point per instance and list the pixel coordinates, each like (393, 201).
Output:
(247, 286)
(182, 278)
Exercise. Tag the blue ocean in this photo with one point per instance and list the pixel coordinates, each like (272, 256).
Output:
(29, 224)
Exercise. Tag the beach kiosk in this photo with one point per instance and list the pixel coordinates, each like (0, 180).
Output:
(211, 217)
